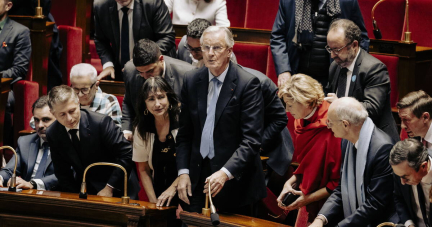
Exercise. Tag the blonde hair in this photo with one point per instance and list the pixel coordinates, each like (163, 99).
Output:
(303, 89)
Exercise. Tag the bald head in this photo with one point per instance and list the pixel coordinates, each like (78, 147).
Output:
(349, 109)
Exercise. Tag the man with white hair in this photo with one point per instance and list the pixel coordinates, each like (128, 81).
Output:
(84, 82)
(364, 195)
(220, 133)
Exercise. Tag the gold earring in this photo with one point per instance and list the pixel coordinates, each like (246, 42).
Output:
(146, 112)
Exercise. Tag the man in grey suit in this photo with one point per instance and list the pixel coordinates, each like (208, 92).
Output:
(148, 61)
(15, 51)
(115, 37)
(355, 73)
(34, 165)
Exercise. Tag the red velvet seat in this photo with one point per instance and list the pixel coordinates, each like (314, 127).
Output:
(389, 16)
(252, 56)
(71, 39)
(261, 14)
(236, 12)
(64, 12)
(392, 66)
(420, 19)
(26, 92)
(95, 60)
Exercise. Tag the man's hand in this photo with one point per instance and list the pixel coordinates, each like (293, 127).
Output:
(106, 192)
(331, 97)
(128, 136)
(184, 188)
(282, 78)
(108, 71)
(317, 223)
(20, 183)
(217, 181)
(167, 196)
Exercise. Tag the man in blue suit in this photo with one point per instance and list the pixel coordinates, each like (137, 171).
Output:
(34, 159)
(299, 36)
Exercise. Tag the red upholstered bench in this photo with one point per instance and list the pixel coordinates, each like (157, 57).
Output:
(252, 56)
(420, 19)
(71, 39)
(261, 14)
(236, 12)
(392, 66)
(389, 16)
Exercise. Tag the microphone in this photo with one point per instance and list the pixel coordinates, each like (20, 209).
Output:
(214, 217)
(83, 191)
(12, 186)
(376, 30)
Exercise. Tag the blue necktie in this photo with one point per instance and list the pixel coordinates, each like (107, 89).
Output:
(43, 162)
(124, 45)
(207, 145)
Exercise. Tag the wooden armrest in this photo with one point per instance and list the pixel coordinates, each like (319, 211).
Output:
(26, 132)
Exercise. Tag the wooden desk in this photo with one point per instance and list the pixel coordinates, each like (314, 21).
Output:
(49, 208)
(227, 220)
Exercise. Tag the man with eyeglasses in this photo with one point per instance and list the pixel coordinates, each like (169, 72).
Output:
(189, 48)
(220, 134)
(84, 82)
(299, 35)
(147, 62)
(355, 73)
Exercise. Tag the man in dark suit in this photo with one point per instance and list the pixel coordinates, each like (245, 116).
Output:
(220, 131)
(15, 51)
(115, 37)
(299, 33)
(148, 62)
(355, 73)
(34, 166)
(364, 195)
(412, 182)
(189, 47)
(79, 138)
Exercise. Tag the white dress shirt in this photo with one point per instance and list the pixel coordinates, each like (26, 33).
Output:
(185, 11)
(426, 184)
(131, 38)
(428, 139)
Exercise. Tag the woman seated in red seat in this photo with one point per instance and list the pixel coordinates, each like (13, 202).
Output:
(156, 127)
(185, 11)
(315, 148)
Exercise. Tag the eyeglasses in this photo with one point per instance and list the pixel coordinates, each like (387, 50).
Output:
(216, 49)
(190, 49)
(335, 51)
(84, 91)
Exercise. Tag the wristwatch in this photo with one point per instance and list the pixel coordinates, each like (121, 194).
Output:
(33, 183)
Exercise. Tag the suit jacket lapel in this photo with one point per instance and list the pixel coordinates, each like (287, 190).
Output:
(353, 83)
(168, 73)
(84, 136)
(33, 152)
(5, 32)
(226, 92)
(115, 23)
(202, 92)
(335, 79)
(73, 155)
(137, 19)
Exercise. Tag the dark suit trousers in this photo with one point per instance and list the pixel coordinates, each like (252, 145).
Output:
(197, 201)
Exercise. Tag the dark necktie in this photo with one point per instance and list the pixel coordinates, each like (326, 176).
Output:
(75, 141)
(342, 82)
(124, 45)
(43, 161)
(422, 202)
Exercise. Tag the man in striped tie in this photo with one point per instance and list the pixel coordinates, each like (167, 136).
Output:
(34, 160)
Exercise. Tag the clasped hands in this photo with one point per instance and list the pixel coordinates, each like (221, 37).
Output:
(301, 201)
(216, 180)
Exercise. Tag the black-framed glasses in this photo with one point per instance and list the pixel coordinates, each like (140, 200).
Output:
(84, 91)
(335, 51)
(189, 48)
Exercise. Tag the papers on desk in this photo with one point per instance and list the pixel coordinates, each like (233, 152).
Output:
(7, 189)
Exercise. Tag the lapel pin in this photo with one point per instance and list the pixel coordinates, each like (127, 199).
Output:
(353, 79)
(4, 44)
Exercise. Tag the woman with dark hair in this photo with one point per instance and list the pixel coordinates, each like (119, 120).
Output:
(156, 126)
